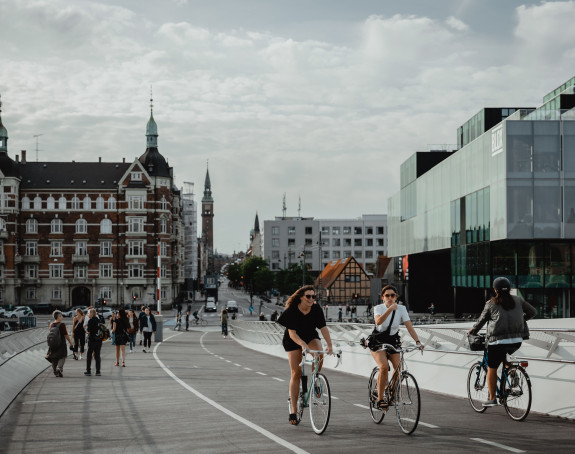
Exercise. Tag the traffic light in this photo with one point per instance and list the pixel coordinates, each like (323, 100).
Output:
(355, 296)
(103, 302)
(134, 297)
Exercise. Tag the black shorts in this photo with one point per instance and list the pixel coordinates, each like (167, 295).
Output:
(496, 353)
(289, 345)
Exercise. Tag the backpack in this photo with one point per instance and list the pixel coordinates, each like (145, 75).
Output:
(54, 338)
(103, 333)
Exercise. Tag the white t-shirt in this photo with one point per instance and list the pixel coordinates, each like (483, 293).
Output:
(401, 316)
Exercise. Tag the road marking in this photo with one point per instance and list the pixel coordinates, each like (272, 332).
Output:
(236, 364)
(261, 373)
(360, 406)
(247, 368)
(251, 425)
(431, 426)
(278, 379)
(228, 361)
(333, 397)
(497, 445)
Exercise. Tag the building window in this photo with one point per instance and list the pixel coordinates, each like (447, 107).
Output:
(56, 293)
(325, 230)
(106, 293)
(62, 203)
(30, 293)
(81, 248)
(81, 272)
(56, 249)
(291, 242)
(380, 230)
(136, 176)
(352, 278)
(81, 226)
(357, 241)
(100, 203)
(31, 248)
(31, 271)
(291, 230)
(308, 241)
(369, 230)
(163, 225)
(75, 204)
(163, 203)
(31, 226)
(369, 242)
(335, 230)
(336, 255)
(275, 254)
(136, 271)
(275, 242)
(111, 203)
(275, 230)
(358, 254)
(3, 224)
(379, 242)
(105, 226)
(336, 242)
(136, 248)
(56, 270)
(308, 230)
(164, 293)
(275, 266)
(50, 203)
(163, 249)
(25, 203)
(347, 254)
(135, 225)
(325, 254)
(163, 270)
(368, 254)
(56, 226)
(106, 248)
(106, 270)
(347, 241)
(136, 202)
(37, 203)
(347, 230)
(87, 203)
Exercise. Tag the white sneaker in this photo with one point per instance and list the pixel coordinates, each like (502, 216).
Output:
(144, 350)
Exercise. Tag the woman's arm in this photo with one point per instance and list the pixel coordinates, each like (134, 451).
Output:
(295, 337)
(483, 319)
(412, 332)
(528, 310)
(379, 319)
(327, 337)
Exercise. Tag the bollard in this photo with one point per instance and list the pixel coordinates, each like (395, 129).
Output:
(159, 337)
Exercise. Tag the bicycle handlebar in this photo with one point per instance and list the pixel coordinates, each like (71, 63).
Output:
(407, 349)
(339, 354)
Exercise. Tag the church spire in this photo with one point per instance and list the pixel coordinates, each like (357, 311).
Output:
(152, 127)
(3, 132)
(257, 224)
(207, 188)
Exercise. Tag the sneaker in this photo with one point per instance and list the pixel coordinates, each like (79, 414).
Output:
(80, 356)
(144, 350)
(87, 373)
(490, 403)
(98, 374)
(59, 373)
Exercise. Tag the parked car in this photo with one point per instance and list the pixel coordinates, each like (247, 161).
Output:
(72, 311)
(43, 308)
(19, 311)
(232, 306)
(2, 311)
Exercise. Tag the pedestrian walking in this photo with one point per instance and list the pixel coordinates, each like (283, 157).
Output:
(274, 316)
(178, 325)
(78, 333)
(340, 314)
(94, 342)
(187, 318)
(251, 309)
(148, 328)
(224, 321)
(347, 309)
(141, 315)
(57, 337)
(120, 330)
(133, 329)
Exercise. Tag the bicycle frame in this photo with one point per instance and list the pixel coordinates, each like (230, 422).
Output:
(402, 366)
(503, 378)
(315, 370)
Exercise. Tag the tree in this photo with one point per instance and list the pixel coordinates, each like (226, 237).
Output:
(235, 274)
(290, 279)
(249, 268)
(263, 280)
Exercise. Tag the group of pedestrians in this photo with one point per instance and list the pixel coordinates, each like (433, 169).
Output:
(507, 316)
(123, 326)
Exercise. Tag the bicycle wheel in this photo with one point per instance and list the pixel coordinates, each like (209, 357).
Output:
(204, 322)
(477, 387)
(376, 414)
(320, 404)
(407, 403)
(517, 393)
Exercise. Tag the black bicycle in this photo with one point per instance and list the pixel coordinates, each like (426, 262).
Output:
(513, 390)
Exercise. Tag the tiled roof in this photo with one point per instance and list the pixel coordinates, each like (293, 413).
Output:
(331, 272)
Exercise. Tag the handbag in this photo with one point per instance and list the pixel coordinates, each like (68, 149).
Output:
(476, 342)
(376, 338)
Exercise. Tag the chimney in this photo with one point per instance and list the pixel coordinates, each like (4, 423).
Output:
(17, 158)
(24, 156)
(100, 159)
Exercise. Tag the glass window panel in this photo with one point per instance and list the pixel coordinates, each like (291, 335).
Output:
(503, 258)
(519, 201)
(546, 150)
(547, 209)
(530, 265)
(558, 265)
(518, 146)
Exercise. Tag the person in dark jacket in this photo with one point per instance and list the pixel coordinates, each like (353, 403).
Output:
(141, 315)
(94, 342)
(148, 327)
(58, 356)
(506, 315)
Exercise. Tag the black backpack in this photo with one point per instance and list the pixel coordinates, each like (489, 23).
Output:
(103, 333)
(54, 338)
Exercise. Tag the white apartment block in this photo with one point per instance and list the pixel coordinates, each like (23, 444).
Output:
(318, 241)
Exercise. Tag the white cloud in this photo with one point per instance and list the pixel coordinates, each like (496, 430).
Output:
(456, 24)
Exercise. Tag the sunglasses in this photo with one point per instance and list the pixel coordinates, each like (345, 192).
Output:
(389, 295)
(310, 297)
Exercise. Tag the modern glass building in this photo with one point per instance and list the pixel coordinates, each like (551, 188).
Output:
(502, 204)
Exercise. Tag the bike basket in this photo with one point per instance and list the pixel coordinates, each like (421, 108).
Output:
(476, 342)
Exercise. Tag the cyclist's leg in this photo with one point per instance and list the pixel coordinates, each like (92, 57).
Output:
(294, 358)
(380, 358)
(315, 344)
(495, 356)
(394, 358)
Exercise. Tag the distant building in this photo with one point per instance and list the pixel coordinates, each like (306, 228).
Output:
(256, 240)
(317, 242)
(73, 232)
(343, 281)
(502, 204)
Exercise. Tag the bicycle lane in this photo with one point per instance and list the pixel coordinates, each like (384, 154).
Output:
(255, 383)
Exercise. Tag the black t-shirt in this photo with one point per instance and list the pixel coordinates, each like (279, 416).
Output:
(304, 325)
(93, 326)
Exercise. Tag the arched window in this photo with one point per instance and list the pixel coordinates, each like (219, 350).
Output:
(111, 203)
(106, 226)
(56, 225)
(75, 203)
(163, 225)
(51, 203)
(87, 203)
(31, 226)
(163, 203)
(25, 203)
(81, 226)
(100, 203)
(62, 203)
(37, 203)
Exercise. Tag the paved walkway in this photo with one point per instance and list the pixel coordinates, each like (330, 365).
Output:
(201, 393)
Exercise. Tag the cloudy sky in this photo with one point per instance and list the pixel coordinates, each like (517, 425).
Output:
(318, 99)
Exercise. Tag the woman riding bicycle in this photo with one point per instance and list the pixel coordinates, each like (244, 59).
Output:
(507, 314)
(388, 316)
(301, 319)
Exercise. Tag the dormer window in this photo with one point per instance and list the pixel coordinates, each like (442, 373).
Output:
(136, 176)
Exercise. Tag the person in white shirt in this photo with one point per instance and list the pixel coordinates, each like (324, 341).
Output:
(388, 316)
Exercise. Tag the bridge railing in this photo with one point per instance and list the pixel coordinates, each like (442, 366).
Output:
(444, 365)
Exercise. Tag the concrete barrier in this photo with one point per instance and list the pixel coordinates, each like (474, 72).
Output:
(445, 363)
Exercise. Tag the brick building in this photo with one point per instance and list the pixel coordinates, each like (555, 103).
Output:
(73, 232)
